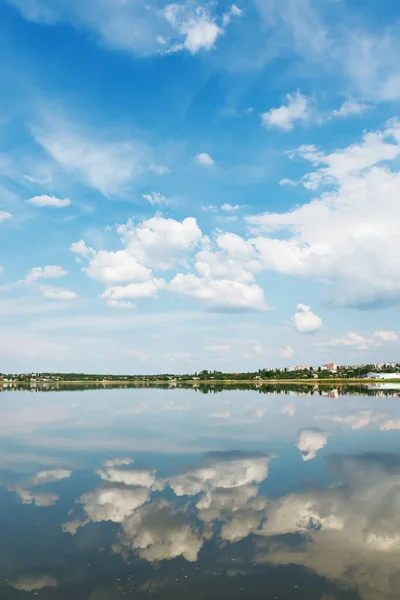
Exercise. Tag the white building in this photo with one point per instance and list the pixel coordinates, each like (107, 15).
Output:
(383, 375)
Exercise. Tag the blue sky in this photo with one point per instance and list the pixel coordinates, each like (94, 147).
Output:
(198, 185)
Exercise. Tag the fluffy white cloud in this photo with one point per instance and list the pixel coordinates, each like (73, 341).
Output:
(116, 267)
(50, 476)
(5, 216)
(386, 336)
(297, 108)
(113, 503)
(198, 28)
(33, 583)
(156, 199)
(204, 160)
(350, 108)
(161, 243)
(222, 294)
(37, 498)
(305, 321)
(158, 532)
(355, 522)
(46, 200)
(141, 478)
(225, 266)
(225, 279)
(242, 524)
(347, 235)
(147, 289)
(310, 441)
(47, 272)
(286, 352)
(108, 166)
(225, 474)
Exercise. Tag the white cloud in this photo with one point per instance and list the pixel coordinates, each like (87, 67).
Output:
(33, 583)
(357, 420)
(198, 28)
(225, 266)
(47, 272)
(52, 292)
(50, 476)
(347, 235)
(5, 216)
(289, 182)
(286, 352)
(225, 279)
(133, 27)
(297, 108)
(234, 11)
(231, 207)
(243, 523)
(158, 532)
(108, 166)
(129, 477)
(390, 425)
(46, 200)
(161, 243)
(354, 522)
(210, 207)
(310, 441)
(37, 498)
(350, 108)
(115, 267)
(156, 199)
(229, 473)
(81, 249)
(353, 340)
(305, 321)
(386, 336)
(118, 462)
(147, 289)
(113, 503)
(204, 160)
(222, 294)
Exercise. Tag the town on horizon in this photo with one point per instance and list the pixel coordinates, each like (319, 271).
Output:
(380, 370)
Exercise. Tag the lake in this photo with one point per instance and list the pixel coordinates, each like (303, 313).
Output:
(175, 493)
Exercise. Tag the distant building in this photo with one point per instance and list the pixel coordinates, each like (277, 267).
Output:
(332, 367)
(299, 368)
(383, 376)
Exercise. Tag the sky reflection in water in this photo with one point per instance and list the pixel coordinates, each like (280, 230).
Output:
(106, 493)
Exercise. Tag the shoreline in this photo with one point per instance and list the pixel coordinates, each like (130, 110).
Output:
(196, 383)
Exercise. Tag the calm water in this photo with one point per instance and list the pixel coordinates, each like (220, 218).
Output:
(178, 494)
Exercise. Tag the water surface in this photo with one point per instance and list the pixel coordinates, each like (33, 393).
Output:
(179, 494)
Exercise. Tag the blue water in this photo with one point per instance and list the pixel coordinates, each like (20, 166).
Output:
(175, 493)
